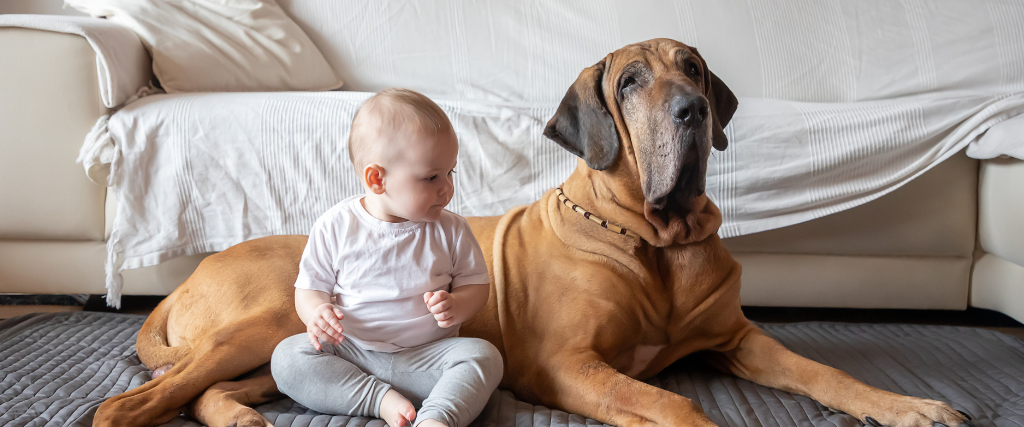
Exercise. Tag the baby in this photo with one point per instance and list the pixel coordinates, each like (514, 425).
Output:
(405, 273)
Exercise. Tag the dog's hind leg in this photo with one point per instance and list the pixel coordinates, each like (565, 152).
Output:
(151, 344)
(225, 354)
(229, 403)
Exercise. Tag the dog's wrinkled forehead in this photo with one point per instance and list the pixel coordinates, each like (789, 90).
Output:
(657, 57)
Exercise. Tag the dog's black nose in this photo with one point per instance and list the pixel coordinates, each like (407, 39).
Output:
(689, 110)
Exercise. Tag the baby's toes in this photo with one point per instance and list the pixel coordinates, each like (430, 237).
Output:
(409, 413)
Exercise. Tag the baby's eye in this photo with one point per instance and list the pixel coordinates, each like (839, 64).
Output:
(451, 171)
(433, 177)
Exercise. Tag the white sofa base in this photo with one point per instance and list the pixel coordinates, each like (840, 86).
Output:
(838, 281)
(998, 284)
(70, 267)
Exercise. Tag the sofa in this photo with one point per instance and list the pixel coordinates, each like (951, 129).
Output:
(948, 239)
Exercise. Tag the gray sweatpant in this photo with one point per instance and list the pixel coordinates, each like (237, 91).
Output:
(449, 380)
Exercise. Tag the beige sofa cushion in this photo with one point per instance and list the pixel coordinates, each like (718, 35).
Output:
(50, 101)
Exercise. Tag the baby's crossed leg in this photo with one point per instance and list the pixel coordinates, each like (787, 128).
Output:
(451, 379)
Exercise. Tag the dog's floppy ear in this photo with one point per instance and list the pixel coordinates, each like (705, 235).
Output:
(582, 123)
(723, 105)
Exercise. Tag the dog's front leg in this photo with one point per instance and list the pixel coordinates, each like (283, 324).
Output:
(588, 386)
(763, 360)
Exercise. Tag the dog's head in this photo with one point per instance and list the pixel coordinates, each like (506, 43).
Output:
(652, 110)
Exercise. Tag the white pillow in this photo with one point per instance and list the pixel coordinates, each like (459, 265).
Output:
(220, 45)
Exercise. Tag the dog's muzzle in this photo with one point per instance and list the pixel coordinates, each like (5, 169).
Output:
(689, 114)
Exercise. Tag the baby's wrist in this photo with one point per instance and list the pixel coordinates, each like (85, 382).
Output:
(459, 316)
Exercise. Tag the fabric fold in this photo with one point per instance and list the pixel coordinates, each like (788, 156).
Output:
(1003, 139)
(98, 151)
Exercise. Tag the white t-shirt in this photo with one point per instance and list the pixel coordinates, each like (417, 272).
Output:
(380, 270)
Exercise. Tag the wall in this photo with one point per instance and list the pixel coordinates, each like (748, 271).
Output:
(43, 7)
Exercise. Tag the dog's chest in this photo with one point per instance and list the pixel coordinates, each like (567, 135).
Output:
(642, 357)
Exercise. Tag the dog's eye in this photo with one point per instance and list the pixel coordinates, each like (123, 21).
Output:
(627, 81)
(692, 69)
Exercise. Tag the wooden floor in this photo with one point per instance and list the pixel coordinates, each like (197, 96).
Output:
(9, 311)
(973, 317)
(129, 305)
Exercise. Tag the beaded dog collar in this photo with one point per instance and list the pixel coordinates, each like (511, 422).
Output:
(604, 223)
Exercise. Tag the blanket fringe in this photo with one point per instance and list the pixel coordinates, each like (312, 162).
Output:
(112, 268)
(98, 151)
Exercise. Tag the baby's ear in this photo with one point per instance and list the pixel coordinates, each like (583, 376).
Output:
(373, 178)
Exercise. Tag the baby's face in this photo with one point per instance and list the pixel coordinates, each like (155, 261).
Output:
(419, 183)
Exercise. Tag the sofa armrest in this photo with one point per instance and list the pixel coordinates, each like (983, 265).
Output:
(1001, 208)
(122, 65)
(997, 282)
(51, 100)
(61, 76)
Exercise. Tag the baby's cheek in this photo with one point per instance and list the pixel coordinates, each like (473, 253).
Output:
(415, 203)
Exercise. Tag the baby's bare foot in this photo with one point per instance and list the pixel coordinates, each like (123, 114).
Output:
(431, 423)
(396, 410)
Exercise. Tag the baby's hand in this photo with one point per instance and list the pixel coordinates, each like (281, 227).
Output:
(440, 304)
(326, 325)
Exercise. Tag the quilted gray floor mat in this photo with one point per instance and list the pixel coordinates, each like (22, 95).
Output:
(55, 369)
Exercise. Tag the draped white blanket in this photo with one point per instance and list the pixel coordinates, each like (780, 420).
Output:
(199, 173)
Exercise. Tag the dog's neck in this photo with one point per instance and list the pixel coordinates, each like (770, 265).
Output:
(610, 226)
(623, 205)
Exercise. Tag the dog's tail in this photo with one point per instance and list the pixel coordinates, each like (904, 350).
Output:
(152, 345)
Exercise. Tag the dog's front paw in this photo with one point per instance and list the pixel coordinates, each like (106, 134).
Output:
(906, 411)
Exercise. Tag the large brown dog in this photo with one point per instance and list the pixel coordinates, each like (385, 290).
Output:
(579, 308)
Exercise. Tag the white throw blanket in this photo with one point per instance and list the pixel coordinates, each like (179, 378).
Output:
(794, 161)
(200, 173)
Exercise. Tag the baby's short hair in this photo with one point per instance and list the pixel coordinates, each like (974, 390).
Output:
(382, 115)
